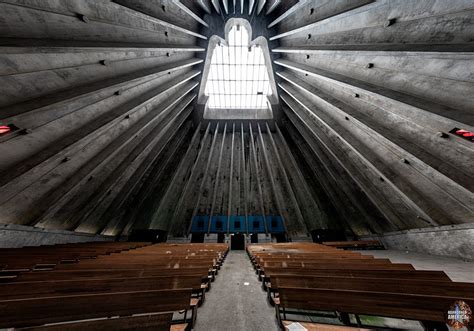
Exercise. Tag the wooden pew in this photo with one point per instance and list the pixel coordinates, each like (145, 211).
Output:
(321, 327)
(422, 275)
(373, 284)
(38, 289)
(155, 322)
(355, 244)
(395, 305)
(121, 282)
(309, 277)
(41, 257)
(202, 272)
(39, 311)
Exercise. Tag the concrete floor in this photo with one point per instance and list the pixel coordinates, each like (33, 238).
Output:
(231, 304)
(456, 269)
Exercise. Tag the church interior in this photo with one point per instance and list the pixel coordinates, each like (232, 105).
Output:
(236, 165)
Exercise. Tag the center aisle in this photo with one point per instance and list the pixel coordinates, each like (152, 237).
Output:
(232, 305)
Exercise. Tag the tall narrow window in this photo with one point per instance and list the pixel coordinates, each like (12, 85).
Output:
(238, 77)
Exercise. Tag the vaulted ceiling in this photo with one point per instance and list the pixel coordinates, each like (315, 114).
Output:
(106, 134)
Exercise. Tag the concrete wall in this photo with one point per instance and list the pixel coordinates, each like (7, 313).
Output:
(101, 94)
(371, 90)
(239, 169)
(104, 93)
(452, 240)
(14, 236)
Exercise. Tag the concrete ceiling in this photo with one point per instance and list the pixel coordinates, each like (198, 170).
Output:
(107, 136)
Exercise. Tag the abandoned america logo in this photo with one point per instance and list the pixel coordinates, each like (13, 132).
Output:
(459, 315)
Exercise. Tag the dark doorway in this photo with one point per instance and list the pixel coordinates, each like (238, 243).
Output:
(322, 235)
(280, 237)
(237, 242)
(254, 238)
(197, 238)
(154, 236)
(220, 237)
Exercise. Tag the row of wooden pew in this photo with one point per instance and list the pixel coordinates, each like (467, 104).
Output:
(355, 244)
(106, 286)
(320, 279)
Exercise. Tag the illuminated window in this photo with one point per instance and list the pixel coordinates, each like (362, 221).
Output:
(238, 77)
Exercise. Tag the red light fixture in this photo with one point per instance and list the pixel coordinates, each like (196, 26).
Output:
(463, 133)
(4, 129)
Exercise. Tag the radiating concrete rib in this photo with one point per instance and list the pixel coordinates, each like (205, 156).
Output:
(144, 194)
(226, 5)
(306, 198)
(333, 184)
(229, 205)
(122, 186)
(260, 5)
(216, 5)
(415, 126)
(419, 177)
(105, 170)
(299, 215)
(109, 20)
(190, 13)
(158, 21)
(272, 6)
(100, 49)
(251, 5)
(86, 156)
(448, 156)
(205, 5)
(277, 197)
(259, 185)
(244, 177)
(380, 196)
(320, 20)
(287, 13)
(91, 90)
(164, 211)
(23, 61)
(434, 115)
(381, 47)
(332, 175)
(50, 159)
(218, 179)
(178, 210)
(204, 178)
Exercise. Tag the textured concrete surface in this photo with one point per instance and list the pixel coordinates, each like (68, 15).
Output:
(232, 305)
(452, 240)
(104, 94)
(12, 236)
(458, 270)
